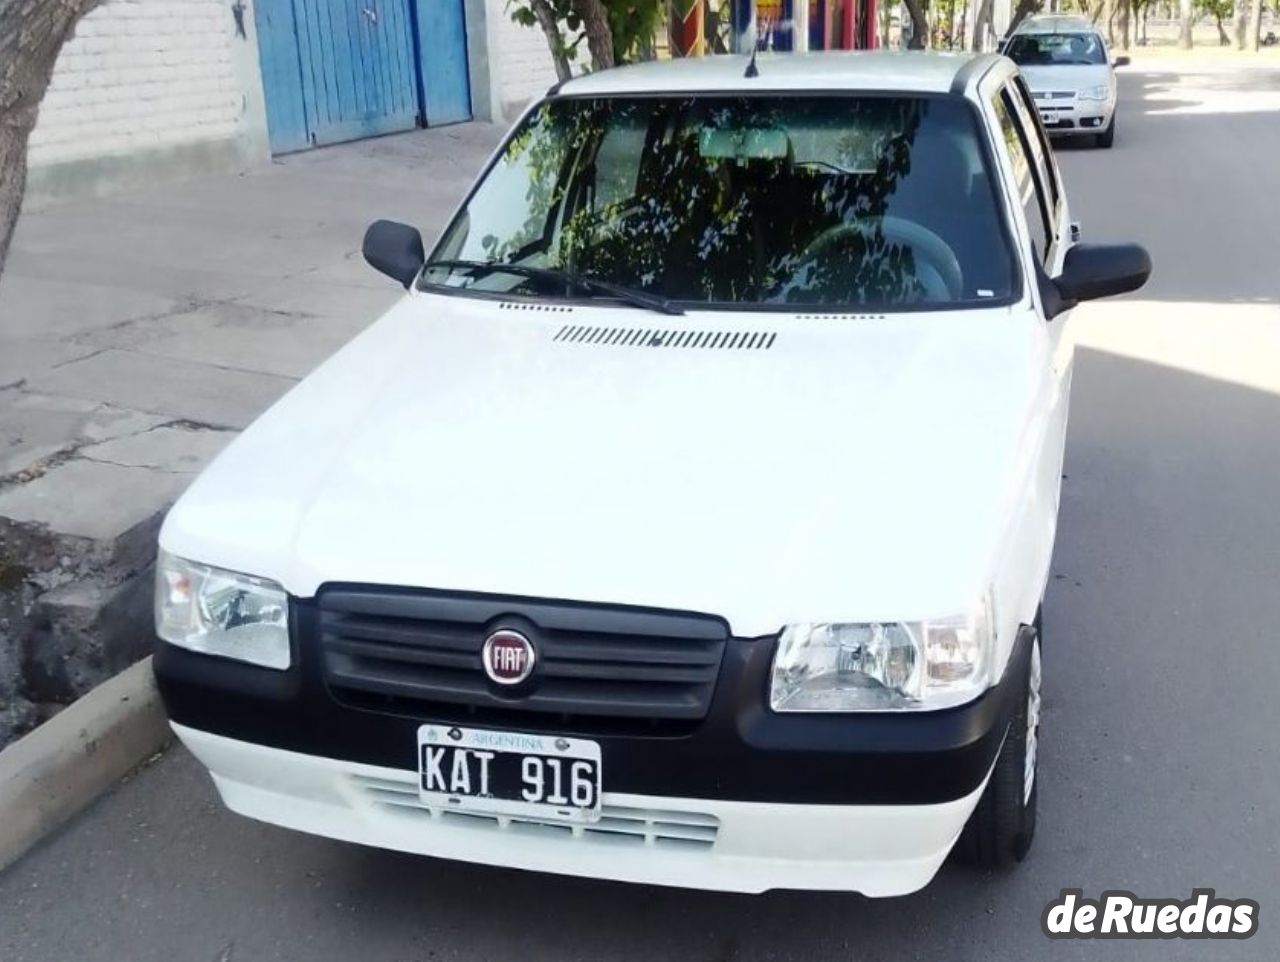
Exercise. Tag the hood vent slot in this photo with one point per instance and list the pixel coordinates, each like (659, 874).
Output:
(534, 306)
(657, 337)
(840, 317)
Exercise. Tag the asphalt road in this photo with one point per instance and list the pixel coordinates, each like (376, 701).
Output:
(1161, 762)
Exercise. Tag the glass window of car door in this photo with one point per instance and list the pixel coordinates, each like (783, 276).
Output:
(1038, 142)
(1031, 196)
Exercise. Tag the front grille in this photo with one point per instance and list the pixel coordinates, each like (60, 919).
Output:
(617, 825)
(420, 652)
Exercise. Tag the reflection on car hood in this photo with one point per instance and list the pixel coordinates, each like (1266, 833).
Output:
(820, 467)
(1072, 77)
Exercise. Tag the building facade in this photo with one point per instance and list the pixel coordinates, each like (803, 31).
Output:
(148, 89)
(152, 89)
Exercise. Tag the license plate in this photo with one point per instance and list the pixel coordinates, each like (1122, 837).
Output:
(509, 773)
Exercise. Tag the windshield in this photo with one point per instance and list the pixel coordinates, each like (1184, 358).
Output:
(867, 202)
(1056, 49)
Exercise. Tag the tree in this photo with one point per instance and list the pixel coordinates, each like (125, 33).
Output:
(1219, 10)
(1142, 10)
(541, 13)
(1024, 9)
(919, 24)
(31, 34)
(1187, 24)
(1242, 22)
(981, 24)
(1255, 24)
(615, 31)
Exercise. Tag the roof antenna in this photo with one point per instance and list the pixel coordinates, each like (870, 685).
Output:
(751, 71)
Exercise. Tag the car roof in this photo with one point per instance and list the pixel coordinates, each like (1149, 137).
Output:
(1056, 24)
(872, 70)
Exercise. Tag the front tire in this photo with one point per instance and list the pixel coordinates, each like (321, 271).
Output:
(1108, 136)
(1000, 830)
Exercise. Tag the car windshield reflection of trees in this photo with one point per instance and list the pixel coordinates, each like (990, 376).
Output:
(1056, 50)
(807, 200)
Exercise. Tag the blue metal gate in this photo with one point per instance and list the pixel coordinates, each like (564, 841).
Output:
(281, 75)
(336, 70)
(442, 41)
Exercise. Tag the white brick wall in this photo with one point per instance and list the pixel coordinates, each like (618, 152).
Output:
(142, 74)
(521, 62)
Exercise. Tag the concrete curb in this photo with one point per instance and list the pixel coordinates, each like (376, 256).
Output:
(50, 774)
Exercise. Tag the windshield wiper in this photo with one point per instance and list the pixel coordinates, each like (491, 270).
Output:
(651, 302)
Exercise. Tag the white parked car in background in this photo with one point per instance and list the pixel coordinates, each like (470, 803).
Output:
(1069, 70)
(688, 520)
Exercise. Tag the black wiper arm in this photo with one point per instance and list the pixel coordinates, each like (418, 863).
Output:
(652, 302)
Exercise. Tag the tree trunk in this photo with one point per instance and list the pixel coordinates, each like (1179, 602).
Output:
(547, 21)
(1126, 9)
(1242, 23)
(1024, 9)
(1255, 25)
(31, 34)
(595, 23)
(1109, 16)
(1187, 23)
(981, 24)
(919, 25)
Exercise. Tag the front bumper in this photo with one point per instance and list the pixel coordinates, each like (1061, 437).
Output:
(878, 850)
(865, 802)
(1075, 117)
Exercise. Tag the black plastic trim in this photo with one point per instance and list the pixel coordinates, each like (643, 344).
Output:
(740, 751)
(412, 651)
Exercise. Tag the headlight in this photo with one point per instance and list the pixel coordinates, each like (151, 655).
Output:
(220, 612)
(1100, 92)
(896, 666)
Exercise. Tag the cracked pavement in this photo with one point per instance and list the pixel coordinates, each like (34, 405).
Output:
(140, 332)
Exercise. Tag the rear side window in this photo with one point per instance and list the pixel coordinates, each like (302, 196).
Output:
(1025, 174)
(1037, 143)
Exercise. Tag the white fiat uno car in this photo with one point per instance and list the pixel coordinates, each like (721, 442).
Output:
(687, 521)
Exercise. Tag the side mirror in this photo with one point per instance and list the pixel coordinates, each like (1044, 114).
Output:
(1090, 271)
(395, 250)
(1121, 61)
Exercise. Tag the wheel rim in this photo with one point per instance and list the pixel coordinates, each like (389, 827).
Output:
(1033, 724)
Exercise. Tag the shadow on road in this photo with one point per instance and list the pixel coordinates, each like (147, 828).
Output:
(1185, 143)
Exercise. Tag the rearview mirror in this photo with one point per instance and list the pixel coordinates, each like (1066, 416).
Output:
(1091, 271)
(1121, 61)
(395, 250)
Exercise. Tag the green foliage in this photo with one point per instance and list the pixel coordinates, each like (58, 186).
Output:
(632, 23)
(1218, 9)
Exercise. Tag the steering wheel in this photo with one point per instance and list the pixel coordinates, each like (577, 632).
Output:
(937, 268)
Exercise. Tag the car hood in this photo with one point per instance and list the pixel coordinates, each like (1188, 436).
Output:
(1073, 77)
(834, 467)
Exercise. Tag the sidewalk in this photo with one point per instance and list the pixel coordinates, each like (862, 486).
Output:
(137, 335)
